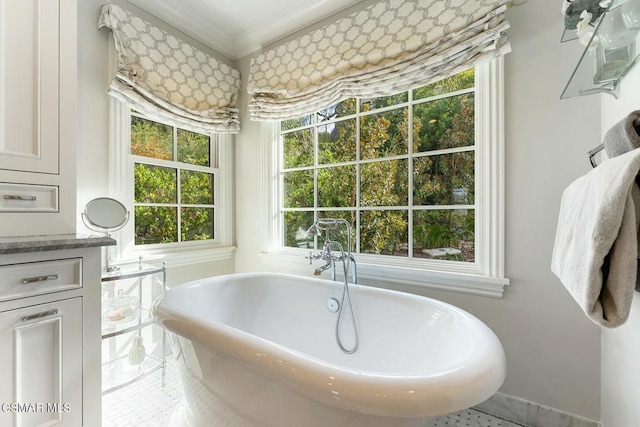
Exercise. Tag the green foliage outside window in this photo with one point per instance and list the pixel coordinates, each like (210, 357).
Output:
(173, 202)
(379, 201)
(151, 139)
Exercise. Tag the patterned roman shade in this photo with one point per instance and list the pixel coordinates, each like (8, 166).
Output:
(388, 47)
(169, 80)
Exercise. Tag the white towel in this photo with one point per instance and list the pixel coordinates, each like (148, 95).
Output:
(595, 254)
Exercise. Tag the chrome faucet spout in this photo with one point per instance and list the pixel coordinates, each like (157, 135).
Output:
(318, 271)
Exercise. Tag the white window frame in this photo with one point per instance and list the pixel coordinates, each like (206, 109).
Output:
(121, 187)
(485, 276)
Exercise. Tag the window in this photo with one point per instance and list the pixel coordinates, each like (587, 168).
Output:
(177, 184)
(408, 191)
(417, 174)
(174, 183)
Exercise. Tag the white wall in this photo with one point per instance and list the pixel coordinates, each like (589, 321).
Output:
(621, 346)
(93, 120)
(553, 350)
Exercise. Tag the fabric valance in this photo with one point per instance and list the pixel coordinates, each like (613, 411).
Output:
(168, 79)
(387, 48)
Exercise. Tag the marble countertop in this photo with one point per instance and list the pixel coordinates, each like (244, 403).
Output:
(14, 245)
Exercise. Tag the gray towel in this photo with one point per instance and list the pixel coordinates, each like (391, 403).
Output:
(623, 136)
(596, 246)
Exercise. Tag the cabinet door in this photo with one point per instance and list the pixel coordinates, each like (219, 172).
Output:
(29, 83)
(41, 365)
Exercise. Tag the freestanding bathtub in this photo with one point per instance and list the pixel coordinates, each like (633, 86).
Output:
(260, 350)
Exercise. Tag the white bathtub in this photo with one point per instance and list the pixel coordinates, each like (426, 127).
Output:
(260, 350)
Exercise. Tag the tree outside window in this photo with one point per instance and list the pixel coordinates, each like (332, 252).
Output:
(174, 183)
(401, 169)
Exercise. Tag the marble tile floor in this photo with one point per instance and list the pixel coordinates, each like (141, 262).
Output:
(146, 403)
(470, 418)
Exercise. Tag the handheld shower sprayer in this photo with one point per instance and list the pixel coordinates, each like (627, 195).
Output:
(314, 230)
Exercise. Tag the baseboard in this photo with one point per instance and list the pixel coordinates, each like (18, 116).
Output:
(531, 414)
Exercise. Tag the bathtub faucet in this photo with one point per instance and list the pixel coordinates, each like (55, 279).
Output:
(325, 255)
(332, 250)
(328, 225)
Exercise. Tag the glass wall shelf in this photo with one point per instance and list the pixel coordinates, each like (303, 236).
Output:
(612, 51)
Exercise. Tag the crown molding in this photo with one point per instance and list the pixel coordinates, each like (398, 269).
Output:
(285, 22)
(189, 22)
(275, 26)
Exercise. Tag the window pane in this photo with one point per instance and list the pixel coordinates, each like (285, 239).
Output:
(384, 101)
(193, 148)
(444, 123)
(463, 80)
(298, 149)
(447, 179)
(384, 183)
(154, 184)
(296, 123)
(337, 142)
(341, 109)
(298, 189)
(155, 224)
(384, 232)
(337, 186)
(296, 225)
(444, 234)
(196, 188)
(196, 224)
(384, 134)
(151, 139)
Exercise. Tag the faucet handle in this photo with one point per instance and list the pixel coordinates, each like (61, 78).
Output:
(311, 257)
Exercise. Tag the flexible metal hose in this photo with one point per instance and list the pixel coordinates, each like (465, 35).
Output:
(327, 225)
(346, 295)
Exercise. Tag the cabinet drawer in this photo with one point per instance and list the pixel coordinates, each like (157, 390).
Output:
(36, 278)
(28, 198)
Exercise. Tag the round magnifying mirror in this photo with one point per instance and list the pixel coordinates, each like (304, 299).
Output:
(105, 214)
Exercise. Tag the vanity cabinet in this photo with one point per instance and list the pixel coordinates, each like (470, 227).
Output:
(30, 81)
(37, 116)
(50, 332)
(42, 348)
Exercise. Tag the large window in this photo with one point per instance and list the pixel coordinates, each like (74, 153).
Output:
(419, 175)
(400, 169)
(174, 183)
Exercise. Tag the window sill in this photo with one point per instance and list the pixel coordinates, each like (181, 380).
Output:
(379, 274)
(181, 257)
